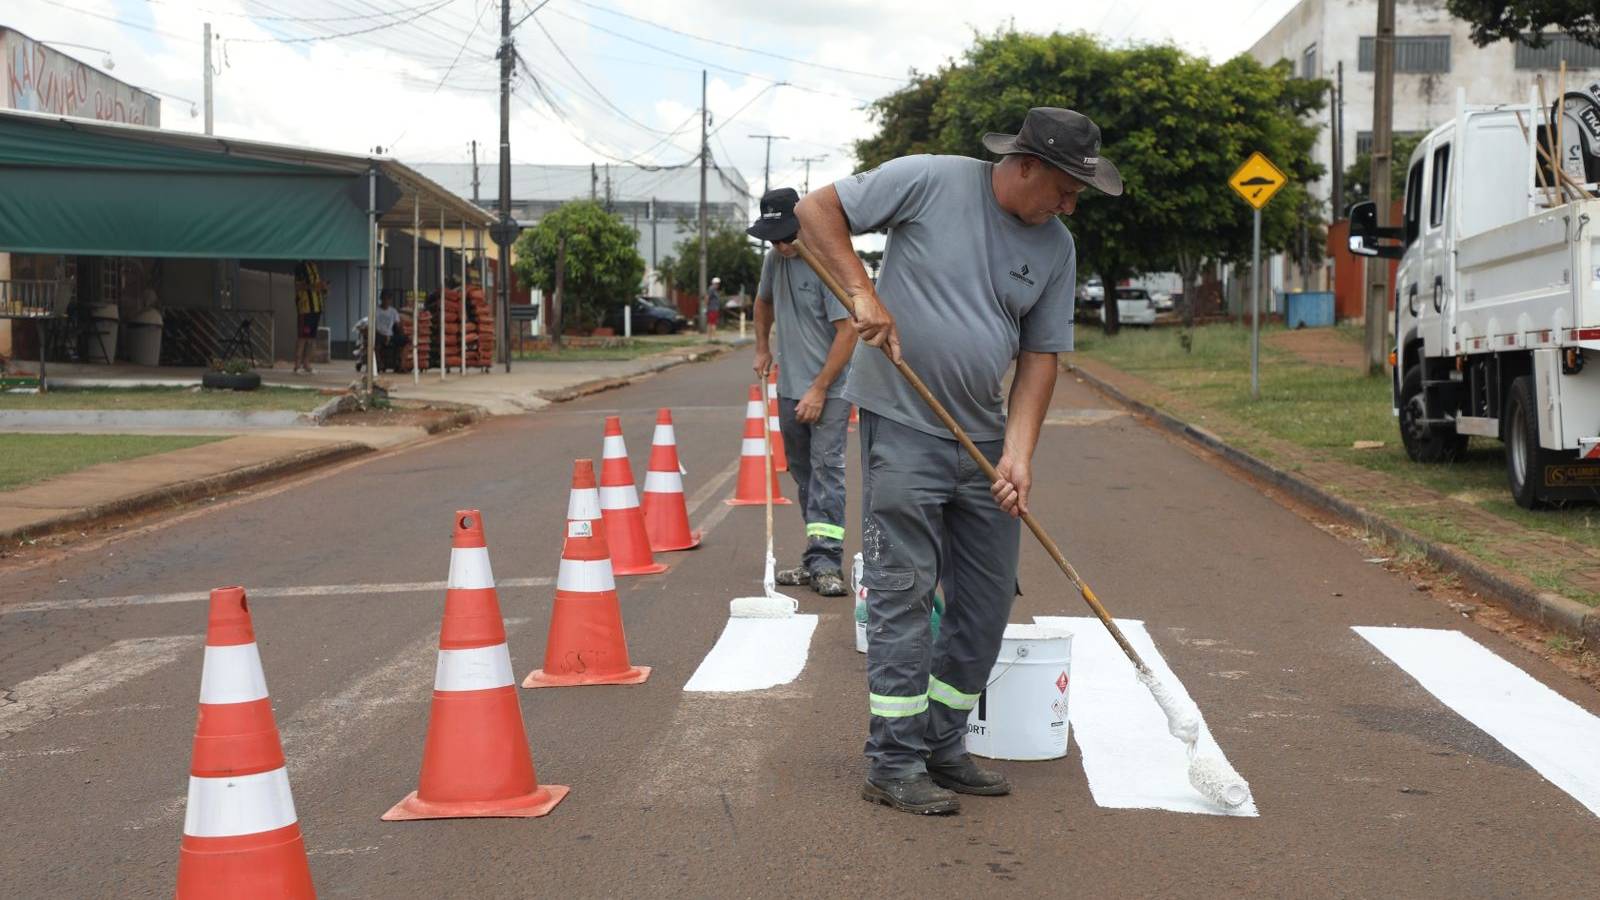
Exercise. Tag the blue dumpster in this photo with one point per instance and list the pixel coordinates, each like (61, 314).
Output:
(1308, 309)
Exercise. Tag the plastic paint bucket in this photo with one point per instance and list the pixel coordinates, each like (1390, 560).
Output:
(1022, 714)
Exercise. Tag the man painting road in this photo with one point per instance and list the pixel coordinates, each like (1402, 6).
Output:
(978, 272)
(815, 341)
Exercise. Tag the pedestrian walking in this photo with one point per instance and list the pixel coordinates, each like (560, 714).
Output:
(978, 274)
(815, 341)
(714, 304)
(310, 291)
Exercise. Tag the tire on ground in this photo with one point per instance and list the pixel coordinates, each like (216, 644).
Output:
(1525, 459)
(1424, 444)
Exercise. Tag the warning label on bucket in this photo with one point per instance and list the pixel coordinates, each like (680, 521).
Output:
(1061, 682)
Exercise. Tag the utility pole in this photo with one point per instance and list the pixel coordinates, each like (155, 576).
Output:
(594, 182)
(1338, 143)
(474, 171)
(766, 171)
(503, 271)
(608, 187)
(1382, 149)
(704, 145)
(652, 234)
(206, 33)
(808, 160)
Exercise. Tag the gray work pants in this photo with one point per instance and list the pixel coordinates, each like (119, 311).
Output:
(816, 462)
(918, 489)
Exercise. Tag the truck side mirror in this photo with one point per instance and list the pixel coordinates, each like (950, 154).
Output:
(1367, 237)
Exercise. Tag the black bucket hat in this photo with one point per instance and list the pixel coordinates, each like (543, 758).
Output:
(1068, 140)
(778, 221)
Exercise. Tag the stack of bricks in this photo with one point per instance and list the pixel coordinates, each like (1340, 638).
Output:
(422, 340)
(452, 330)
(480, 334)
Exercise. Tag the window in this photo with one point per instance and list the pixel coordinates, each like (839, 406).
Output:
(1557, 47)
(1308, 63)
(1441, 183)
(1412, 53)
(1413, 207)
(1364, 141)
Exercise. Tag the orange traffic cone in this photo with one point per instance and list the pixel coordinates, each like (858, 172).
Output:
(666, 514)
(240, 834)
(855, 417)
(586, 643)
(619, 506)
(476, 762)
(780, 459)
(753, 459)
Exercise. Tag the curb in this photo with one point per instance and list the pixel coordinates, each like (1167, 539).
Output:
(600, 385)
(1546, 608)
(175, 494)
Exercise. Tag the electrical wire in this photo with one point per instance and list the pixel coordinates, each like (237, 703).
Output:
(282, 18)
(344, 34)
(585, 79)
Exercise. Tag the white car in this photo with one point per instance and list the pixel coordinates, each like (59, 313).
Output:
(1134, 307)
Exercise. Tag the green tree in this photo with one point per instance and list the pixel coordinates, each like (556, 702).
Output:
(1176, 126)
(1358, 176)
(730, 255)
(1500, 20)
(602, 268)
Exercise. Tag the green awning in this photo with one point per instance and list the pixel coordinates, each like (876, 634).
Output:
(70, 191)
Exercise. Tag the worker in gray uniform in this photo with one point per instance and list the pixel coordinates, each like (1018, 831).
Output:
(978, 274)
(815, 341)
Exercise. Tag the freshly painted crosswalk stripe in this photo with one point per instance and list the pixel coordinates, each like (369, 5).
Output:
(57, 691)
(755, 654)
(1131, 760)
(1557, 737)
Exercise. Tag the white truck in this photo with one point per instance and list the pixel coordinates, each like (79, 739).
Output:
(1497, 299)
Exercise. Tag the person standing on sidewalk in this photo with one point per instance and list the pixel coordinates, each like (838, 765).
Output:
(979, 273)
(309, 293)
(714, 304)
(815, 341)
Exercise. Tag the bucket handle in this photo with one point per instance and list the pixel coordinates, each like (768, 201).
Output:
(1021, 652)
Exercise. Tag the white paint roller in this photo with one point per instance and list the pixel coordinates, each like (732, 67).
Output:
(772, 605)
(1210, 775)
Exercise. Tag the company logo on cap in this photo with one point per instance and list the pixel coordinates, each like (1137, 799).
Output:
(775, 214)
(1090, 160)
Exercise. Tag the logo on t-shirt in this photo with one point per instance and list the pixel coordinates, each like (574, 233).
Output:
(1022, 275)
(862, 176)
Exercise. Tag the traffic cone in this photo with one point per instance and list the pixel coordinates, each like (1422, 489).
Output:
(240, 834)
(586, 643)
(780, 459)
(476, 762)
(855, 417)
(753, 459)
(619, 506)
(666, 514)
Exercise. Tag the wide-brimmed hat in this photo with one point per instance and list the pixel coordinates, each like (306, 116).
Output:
(777, 222)
(1068, 140)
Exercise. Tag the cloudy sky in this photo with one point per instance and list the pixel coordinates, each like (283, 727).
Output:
(603, 80)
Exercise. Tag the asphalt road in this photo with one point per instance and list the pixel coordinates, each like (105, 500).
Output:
(1367, 785)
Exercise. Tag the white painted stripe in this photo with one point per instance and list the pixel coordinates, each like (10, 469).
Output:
(615, 447)
(232, 674)
(469, 568)
(53, 693)
(755, 654)
(663, 483)
(583, 503)
(664, 435)
(305, 590)
(1131, 760)
(1555, 736)
(754, 409)
(624, 497)
(238, 804)
(475, 669)
(753, 447)
(712, 489)
(587, 576)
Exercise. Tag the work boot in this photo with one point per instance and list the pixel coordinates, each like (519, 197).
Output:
(794, 575)
(964, 776)
(913, 794)
(829, 583)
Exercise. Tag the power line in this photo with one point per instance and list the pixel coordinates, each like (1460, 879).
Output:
(585, 79)
(344, 34)
(283, 18)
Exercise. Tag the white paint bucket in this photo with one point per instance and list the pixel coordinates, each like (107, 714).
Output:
(1022, 714)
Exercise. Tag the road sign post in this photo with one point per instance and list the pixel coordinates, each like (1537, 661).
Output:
(1256, 182)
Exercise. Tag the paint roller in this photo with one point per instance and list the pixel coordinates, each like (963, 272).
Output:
(1210, 775)
(771, 605)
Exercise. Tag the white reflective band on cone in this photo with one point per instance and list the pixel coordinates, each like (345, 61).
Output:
(664, 435)
(772, 387)
(753, 447)
(585, 576)
(615, 447)
(624, 497)
(584, 504)
(469, 569)
(663, 483)
(772, 423)
(474, 669)
(232, 674)
(238, 804)
(753, 409)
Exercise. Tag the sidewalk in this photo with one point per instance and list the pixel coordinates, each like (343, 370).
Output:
(1359, 494)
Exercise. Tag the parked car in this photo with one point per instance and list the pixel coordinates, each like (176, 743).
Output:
(1163, 301)
(1089, 297)
(651, 315)
(1134, 307)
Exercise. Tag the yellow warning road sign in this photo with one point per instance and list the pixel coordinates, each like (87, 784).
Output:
(1257, 180)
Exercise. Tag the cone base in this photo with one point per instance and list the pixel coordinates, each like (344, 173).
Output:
(539, 678)
(776, 501)
(654, 568)
(693, 542)
(527, 806)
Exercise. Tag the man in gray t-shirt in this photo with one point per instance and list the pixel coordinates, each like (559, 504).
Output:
(978, 273)
(815, 341)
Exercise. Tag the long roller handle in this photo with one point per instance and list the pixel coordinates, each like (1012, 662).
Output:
(988, 468)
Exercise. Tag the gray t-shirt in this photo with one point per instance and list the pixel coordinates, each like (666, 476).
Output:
(969, 286)
(804, 311)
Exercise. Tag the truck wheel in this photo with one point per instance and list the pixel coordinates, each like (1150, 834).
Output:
(1524, 456)
(1424, 443)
